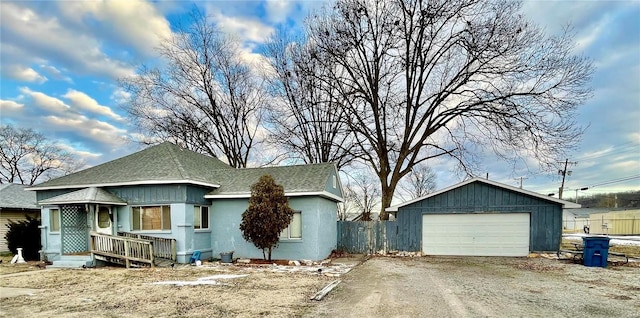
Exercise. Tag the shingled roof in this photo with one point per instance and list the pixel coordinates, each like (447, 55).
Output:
(86, 195)
(160, 164)
(312, 178)
(13, 196)
(167, 163)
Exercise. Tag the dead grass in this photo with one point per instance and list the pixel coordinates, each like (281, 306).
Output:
(118, 292)
(7, 268)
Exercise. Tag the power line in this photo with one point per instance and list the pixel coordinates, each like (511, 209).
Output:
(623, 179)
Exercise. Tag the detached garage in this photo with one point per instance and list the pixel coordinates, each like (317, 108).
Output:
(480, 217)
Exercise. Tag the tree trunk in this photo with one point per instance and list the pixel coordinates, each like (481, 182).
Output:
(387, 197)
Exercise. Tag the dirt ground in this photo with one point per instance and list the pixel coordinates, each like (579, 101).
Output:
(483, 287)
(118, 292)
(380, 287)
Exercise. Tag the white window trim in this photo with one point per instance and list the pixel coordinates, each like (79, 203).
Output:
(161, 218)
(201, 229)
(288, 238)
(51, 230)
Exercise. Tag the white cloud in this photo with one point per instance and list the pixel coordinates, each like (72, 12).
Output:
(247, 29)
(22, 73)
(105, 134)
(84, 102)
(46, 103)
(120, 96)
(33, 36)
(55, 73)
(278, 10)
(9, 106)
(132, 22)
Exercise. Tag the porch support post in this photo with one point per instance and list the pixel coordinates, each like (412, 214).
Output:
(126, 254)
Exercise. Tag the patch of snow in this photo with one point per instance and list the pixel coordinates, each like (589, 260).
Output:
(615, 239)
(209, 280)
(223, 276)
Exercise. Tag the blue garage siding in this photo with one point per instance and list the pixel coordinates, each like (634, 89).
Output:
(477, 197)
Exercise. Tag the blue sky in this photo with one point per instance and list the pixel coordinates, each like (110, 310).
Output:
(60, 61)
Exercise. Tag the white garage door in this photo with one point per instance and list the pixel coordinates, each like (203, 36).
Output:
(499, 234)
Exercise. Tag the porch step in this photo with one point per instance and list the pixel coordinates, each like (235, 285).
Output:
(72, 262)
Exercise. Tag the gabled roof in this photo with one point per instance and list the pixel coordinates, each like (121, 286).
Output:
(13, 196)
(297, 180)
(90, 195)
(160, 164)
(565, 204)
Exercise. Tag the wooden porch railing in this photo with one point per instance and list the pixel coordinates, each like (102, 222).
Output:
(162, 247)
(127, 248)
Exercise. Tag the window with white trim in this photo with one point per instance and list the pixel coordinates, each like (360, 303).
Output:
(200, 217)
(54, 220)
(148, 218)
(294, 230)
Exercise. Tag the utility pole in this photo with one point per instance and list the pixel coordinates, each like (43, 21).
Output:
(521, 178)
(564, 173)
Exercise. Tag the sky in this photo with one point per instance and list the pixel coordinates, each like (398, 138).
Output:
(60, 62)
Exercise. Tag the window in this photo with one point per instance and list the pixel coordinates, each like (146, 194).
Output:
(335, 182)
(294, 230)
(147, 218)
(104, 220)
(200, 217)
(54, 220)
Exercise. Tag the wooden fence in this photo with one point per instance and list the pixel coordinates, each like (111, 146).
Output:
(367, 236)
(123, 248)
(162, 247)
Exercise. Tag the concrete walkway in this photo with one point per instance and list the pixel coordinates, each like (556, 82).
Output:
(6, 292)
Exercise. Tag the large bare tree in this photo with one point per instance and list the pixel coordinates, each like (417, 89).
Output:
(308, 123)
(202, 95)
(27, 157)
(418, 183)
(424, 79)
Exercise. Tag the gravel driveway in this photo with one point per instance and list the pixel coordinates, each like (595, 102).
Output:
(482, 287)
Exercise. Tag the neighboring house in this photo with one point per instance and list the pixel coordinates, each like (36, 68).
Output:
(482, 218)
(169, 192)
(15, 205)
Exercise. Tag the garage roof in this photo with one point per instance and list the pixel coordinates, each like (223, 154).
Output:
(565, 204)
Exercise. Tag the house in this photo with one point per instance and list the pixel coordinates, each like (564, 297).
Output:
(194, 201)
(15, 205)
(480, 217)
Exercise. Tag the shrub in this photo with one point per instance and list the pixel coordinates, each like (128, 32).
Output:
(25, 234)
(267, 215)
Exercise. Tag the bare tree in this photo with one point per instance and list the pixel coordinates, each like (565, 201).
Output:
(203, 97)
(362, 194)
(27, 157)
(309, 123)
(424, 79)
(418, 183)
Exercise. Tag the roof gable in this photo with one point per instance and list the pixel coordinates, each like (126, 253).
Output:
(563, 203)
(14, 196)
(163, 163)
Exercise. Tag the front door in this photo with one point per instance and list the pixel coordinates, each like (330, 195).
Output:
(104, 224)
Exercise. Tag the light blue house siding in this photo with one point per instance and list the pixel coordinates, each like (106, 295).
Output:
(319, 233)
(545, 223)
(51, 241)
(223, 235)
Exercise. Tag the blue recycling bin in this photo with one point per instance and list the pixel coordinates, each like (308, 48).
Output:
(195, 257)
(596, 251)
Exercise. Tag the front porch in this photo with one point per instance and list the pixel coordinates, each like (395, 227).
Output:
(128, 249)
